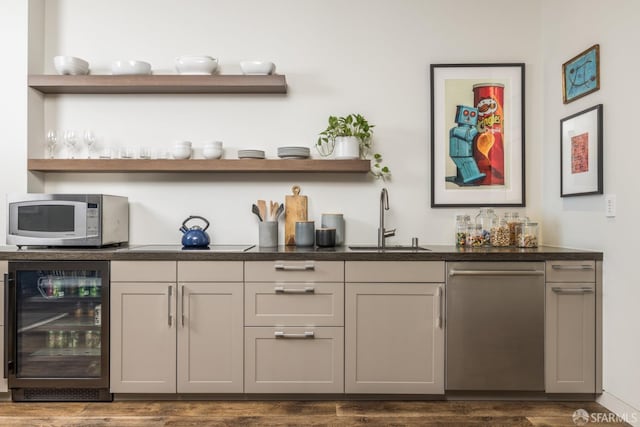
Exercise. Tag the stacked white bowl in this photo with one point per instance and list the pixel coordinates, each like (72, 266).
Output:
(181, 150)
(70, 65)
(212, 150)
(196, 65)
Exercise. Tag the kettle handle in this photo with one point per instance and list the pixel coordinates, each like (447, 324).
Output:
(184, 223)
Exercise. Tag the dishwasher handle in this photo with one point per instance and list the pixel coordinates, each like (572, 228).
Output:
(583, 290)
(453, 272)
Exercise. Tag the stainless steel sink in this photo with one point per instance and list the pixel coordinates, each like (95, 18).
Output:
(396, 248)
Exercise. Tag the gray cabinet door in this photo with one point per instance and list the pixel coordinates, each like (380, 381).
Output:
(210, 338)
(143, 338)
(570, 348)
(394, 338)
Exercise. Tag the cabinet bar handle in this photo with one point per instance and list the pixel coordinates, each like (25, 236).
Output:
(572, 290)
(306, 334)
(169, 316)
(572, 267)
(439, 320)
(182, 305)
(454, 272)
(305, 290)
(307, 266)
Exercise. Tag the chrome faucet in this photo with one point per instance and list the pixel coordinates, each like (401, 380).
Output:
(382, 233)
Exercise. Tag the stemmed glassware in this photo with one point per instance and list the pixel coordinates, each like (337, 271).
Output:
(70, 139)
(51, 142)
(89, 140)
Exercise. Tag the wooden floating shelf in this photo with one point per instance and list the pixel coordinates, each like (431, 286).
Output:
(159, 84)
(199, 165)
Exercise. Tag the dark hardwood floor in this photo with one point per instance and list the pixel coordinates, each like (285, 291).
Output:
(294, 413)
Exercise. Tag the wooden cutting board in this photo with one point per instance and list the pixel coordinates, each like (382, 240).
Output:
(295, 209)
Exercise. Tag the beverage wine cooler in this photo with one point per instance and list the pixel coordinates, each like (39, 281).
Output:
(57, 340)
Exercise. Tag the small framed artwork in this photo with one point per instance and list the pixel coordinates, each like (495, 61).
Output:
(581, 74)
(581, 153)
(477, 135)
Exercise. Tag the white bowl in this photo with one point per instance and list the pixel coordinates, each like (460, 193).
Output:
(182, 144)
(257, 67)
(212, 152)
(130, 66)
(181, 152)
(70, 65)
(196, 65)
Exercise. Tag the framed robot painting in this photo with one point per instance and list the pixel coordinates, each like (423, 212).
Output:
(477, 135)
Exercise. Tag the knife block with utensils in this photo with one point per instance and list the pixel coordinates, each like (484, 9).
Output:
(295, 210)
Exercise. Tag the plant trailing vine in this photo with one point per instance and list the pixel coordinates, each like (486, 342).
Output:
(357, 126)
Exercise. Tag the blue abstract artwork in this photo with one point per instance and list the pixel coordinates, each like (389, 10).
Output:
(581, 74)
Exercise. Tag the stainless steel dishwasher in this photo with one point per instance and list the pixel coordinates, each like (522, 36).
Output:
(495, 326)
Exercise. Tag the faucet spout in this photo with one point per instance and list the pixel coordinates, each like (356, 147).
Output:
(384, 206)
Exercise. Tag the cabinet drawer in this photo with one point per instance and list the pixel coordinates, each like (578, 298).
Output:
(570, 271)
(394, 271)
(210, 271)
(294, 304)
(143, 271)
(294, 271)
(293, 363)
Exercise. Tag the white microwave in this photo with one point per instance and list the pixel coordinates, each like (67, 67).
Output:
(67, 220)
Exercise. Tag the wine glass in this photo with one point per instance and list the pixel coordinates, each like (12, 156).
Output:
(70, 140)
(51, 142)
(89, 140)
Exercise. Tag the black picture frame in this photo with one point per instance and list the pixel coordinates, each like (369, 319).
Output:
(454, 83)
(581, 153)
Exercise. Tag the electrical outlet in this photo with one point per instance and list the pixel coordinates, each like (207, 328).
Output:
(610, 205)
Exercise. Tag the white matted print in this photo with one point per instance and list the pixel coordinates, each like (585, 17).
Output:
(581, 153)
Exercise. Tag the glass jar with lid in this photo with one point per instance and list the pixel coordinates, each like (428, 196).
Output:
(475, 237)
(500, 233)
(462, 225)
(486, 218)
(512, 219)
(527, 234)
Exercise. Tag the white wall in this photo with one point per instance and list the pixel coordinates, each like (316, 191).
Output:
(13, 101)
(339, 57)
(568, 27)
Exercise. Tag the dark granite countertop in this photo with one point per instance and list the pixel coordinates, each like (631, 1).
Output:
(254, 253)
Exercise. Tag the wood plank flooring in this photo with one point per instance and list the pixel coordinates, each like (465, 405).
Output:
(294, 413)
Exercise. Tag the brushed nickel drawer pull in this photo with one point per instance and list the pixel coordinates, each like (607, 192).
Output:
(307, 266)
(439, 319)
(454, 272)
(572, 267)
(305, 290)
(572, 290)
(170, 292)
(305, 335)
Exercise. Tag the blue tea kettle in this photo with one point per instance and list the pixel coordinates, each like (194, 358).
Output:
(195, 237)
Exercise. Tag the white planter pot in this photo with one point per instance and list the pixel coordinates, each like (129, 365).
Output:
(347, 147)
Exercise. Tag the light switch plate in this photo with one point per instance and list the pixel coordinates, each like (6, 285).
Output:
(610, 205)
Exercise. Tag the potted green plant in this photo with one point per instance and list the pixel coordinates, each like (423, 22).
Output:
(349, 137)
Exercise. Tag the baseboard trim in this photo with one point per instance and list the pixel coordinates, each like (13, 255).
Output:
(622, 409)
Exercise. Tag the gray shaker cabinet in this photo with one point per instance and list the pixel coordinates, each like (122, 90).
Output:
(394, 327)
(572, 297)
(176, 327)
(294, 334)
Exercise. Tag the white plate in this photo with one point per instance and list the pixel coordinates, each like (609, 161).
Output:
(293, 157)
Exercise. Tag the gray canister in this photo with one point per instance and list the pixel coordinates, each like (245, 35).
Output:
(305, 233)
(334, 220)
(268, 234)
